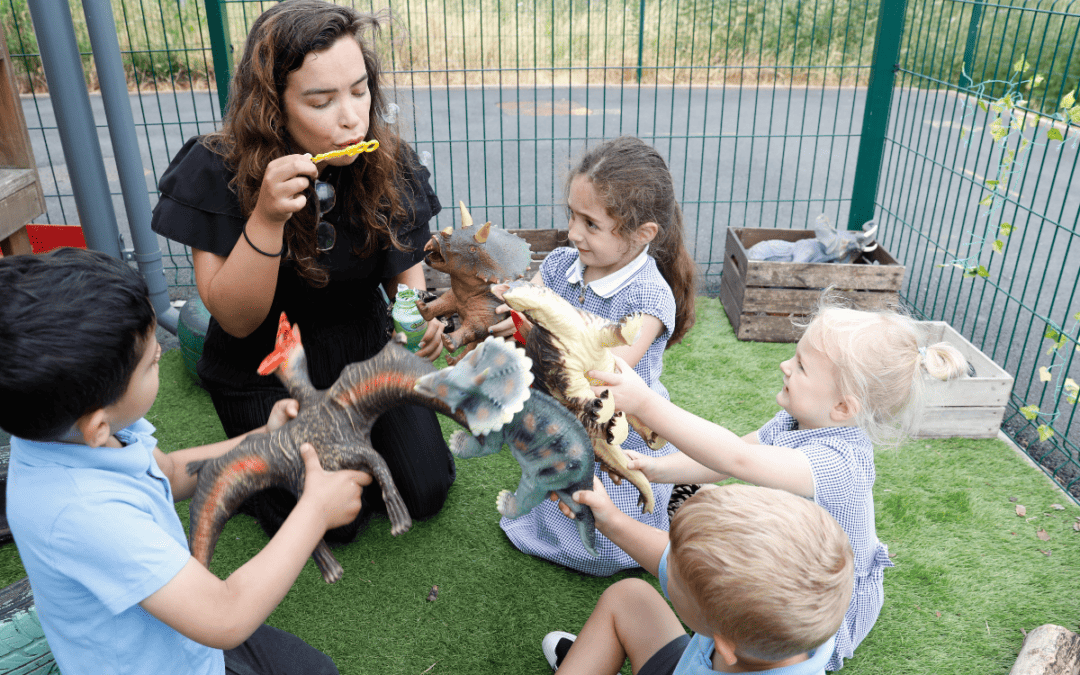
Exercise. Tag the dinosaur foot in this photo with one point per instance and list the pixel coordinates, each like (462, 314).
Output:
(326, 562)
(506, 504)
(651, 438)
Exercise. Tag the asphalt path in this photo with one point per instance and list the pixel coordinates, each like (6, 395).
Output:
(740, 156)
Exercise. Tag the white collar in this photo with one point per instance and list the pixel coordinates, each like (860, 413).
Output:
(605, 287)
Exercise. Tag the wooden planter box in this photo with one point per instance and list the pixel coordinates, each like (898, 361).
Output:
(970, 407)
(761, 298)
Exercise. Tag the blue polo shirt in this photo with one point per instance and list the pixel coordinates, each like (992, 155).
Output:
(98, 533)
(697, 657)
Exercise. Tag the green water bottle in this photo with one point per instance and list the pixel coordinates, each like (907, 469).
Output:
(407, 317)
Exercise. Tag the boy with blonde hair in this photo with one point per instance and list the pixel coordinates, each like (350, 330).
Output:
(762, 577)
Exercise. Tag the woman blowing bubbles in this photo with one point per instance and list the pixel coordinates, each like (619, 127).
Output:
(244, 199)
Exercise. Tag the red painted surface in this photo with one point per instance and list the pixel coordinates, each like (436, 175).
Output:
(44, 238)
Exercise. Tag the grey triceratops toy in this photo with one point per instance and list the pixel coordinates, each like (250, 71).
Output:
(548, 442)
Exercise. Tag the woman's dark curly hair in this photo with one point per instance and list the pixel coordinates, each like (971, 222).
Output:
(253, 132)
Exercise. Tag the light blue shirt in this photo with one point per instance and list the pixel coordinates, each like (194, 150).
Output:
(697, 658)
(98, 533)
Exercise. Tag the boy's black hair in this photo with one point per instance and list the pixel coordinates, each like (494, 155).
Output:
(73, 326)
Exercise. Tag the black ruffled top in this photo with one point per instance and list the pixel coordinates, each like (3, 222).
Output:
(343, 322)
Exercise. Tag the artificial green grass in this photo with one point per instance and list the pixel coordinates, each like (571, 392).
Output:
(969, 577)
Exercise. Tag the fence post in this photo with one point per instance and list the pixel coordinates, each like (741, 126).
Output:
(890, 27)
(217, 20)
(640, 38)
(972, 44)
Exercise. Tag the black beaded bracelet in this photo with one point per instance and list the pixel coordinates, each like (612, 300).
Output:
(259, 250)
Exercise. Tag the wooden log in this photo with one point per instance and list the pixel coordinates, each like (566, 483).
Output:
(1049, 650)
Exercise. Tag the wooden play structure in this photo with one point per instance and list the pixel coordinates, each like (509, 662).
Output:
(21, 198)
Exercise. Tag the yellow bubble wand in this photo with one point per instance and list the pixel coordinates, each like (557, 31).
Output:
(355, 149)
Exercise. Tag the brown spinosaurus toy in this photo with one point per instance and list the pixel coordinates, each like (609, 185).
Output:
(486, 391)
(475, 258)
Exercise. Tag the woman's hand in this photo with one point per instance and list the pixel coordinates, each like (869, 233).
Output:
(432, 343)
(283, 185)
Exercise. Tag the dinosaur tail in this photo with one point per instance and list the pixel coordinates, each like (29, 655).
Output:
(233, 477)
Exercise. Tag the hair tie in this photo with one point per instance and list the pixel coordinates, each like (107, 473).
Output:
(259, 250)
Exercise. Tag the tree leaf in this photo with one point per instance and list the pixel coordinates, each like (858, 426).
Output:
(982, 104)
(991, 183)
(1074, 114)
(1045, 432)
(1076, 526)
(1018, 123)
(1038, 80)
(1057, 507)
(987, 200)
(1006, 229)
(1054, 134)
(1051, 333)
(1045, 375)
(1020, 510)
(1069, 100)
(1030, 411)
(1043, 534)
(983, 272)
(998, 246)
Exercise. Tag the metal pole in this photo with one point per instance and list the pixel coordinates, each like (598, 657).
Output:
(876, 113)
(75, 121)
(972, 44)
(640, 38)
(217, 22)
(110, 69)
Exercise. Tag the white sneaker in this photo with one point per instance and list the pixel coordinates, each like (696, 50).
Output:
(555, 646)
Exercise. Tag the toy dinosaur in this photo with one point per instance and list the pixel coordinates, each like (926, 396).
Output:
(564, 344)
(337, 421)
(555, 453)
(475, 258)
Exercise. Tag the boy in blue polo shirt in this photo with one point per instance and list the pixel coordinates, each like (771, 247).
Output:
(762, 577)
(90, 496)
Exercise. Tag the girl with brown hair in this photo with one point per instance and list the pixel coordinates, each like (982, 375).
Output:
(272, 231)
(627, 256)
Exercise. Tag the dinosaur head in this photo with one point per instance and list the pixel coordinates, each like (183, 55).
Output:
(484, 251)
(285, 347)
(489, 385)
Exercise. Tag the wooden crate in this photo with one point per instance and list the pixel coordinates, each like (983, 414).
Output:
(970, 407)
(761, 297)
(21, 197)
(541, 242)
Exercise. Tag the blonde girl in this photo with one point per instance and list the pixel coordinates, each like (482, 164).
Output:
(627, 256)
(856, 379)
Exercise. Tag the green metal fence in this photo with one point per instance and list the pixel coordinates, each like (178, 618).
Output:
(759, 107)
(981, 203)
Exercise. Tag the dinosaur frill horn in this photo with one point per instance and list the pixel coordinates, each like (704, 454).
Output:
(447, 231)
(482, 234)
(466, 218)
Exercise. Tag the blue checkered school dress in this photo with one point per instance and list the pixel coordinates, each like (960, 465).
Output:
(842, 463)
(545, 532)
